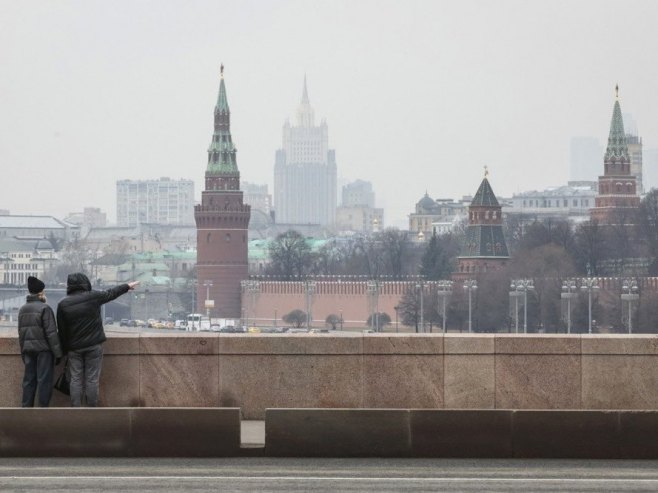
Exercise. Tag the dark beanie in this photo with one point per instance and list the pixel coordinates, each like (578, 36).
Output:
(34, 285)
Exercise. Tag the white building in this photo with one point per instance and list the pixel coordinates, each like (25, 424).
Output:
(163, 201)
(572, 201)
(20, 259)
(305, 171)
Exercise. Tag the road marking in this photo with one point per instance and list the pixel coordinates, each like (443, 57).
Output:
(333, 478)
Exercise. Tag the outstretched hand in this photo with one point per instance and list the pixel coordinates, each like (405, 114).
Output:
(133, 284)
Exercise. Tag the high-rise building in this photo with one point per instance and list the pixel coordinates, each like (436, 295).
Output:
(222, 221)
(617, 200)
(305, 171)
(585, 158)
(635, 153)
(358, 192)
(163, 201)
(485, 248)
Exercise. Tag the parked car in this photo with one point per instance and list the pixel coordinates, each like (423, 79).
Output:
(139, 323)
(126, 322)
(108, 321)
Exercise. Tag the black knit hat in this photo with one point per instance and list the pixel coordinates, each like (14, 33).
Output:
(34, 285)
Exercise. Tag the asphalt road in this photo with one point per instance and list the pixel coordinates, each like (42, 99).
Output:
(324, 475)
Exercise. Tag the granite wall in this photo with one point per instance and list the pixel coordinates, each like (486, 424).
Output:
(353, 370)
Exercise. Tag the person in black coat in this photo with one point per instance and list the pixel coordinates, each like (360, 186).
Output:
(82, 334)
(40, 346)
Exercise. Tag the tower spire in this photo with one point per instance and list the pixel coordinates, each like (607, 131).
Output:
(617, 146)
(305, 93)
(222, 101)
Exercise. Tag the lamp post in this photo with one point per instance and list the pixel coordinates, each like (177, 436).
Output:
(396, 308)
(373, 290)
(568, 288)
(341, 320)
(251, 287)
(421, 289)
(310, 290)
(470, 285)
(523, 286)
(589, 284)
(444, 288)
(630, 295)
(208, 285)
(513, 293)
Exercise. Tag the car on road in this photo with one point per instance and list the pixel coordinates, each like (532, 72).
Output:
(126, 322)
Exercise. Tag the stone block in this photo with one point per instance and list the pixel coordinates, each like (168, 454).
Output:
(183, 343)
(256, 382)
(565, 434)
(638, 434)
(337, 433)
(641, 344)
(619, 381)
(121, 343)
(9, 342)
(75, 432)
(290, 344)
(119, 384)
(403, 344)
(538, 381)
(446, 433)
(469, 343)
(537, 344)
(469, 381)
(403, 381)
(11, 390)
(179, 380)
(183, 432)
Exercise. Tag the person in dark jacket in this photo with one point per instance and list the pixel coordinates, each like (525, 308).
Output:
(40, 346)
(82, 335)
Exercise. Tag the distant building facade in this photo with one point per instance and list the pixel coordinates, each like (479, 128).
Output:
(258, 197)
(305, 173)
(572, 202)
(357, 212)
(162, 201)
(635, 154)
(617, 199)
(222, 221)
(440, 215)
(36, 227)
(20, 259)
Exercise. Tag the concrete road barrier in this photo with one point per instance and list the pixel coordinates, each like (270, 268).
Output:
(483, 433)
(119, 432)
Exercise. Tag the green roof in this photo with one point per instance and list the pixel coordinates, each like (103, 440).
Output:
(617, 146)
(485, 196)
(222, 101)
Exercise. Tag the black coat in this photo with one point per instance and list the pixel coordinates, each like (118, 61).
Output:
(36, 327)
(79, 314)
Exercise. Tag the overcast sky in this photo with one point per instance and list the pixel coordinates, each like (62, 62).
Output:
(418, 95)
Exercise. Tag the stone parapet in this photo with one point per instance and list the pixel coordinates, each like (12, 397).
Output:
(354, 370)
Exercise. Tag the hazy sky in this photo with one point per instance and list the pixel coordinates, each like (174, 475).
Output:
(418, 95)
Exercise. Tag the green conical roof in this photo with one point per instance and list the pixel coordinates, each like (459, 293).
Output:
(222, 102)
(485, 196)
(617, 146)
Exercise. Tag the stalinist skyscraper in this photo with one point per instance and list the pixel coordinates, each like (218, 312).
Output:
(305, 171)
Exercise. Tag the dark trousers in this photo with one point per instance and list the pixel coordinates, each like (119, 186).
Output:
(39, 371)
(85, 368)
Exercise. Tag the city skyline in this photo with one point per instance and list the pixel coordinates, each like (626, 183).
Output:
(435, 90)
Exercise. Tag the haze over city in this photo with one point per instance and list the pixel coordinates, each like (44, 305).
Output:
(418, 95)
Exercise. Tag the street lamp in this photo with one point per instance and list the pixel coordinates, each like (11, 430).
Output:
(252, 287)
(589, 284)
(444, 289)
(373, 290)
(470, 285)
(568, 288)
(421, 289)
(631, 295)
(310, 291)
(396, 308)
(516, 295)
(523, 285)
(208, 285)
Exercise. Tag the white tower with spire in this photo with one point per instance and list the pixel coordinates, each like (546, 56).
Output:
(305, 189)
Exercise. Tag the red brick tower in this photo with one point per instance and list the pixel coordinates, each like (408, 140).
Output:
(617, 201)
(222, 221)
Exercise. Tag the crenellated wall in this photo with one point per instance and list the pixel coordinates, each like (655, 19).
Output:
(353, 370)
